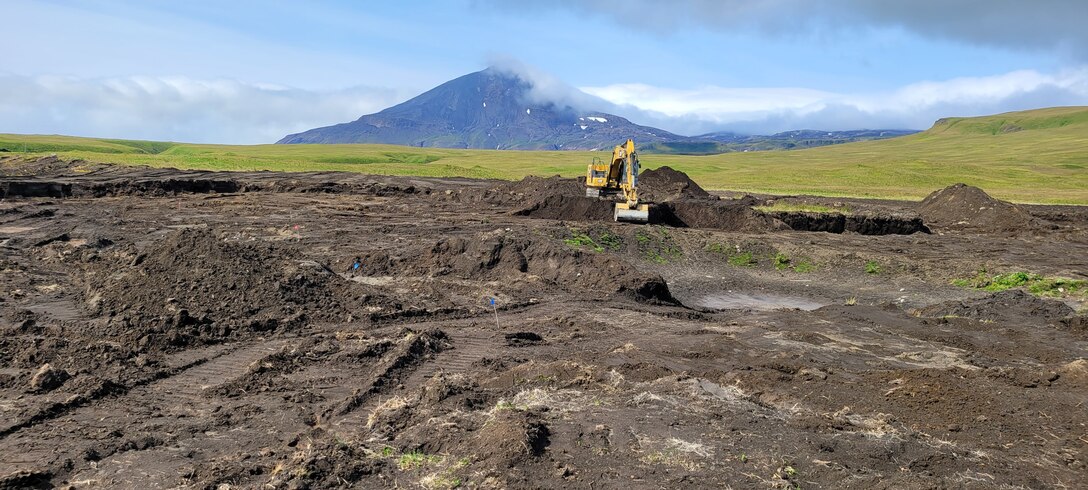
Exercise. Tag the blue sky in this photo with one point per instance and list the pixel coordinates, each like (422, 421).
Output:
(250, 72)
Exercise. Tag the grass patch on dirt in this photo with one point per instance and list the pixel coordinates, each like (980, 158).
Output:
(872, 267)
(1042, 161)
(1036, 284)
(596, 240)
(782, 262)
(742, 259)
(440, 481)
(657, 245)
(416, 459)
(442, 478)
(804, 266)
(754, 254)
(734, 254)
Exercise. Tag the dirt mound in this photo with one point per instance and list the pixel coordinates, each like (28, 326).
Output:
(516, 260)
(719, 215)
(323, 462)
(1013, 305)
(559, 198)
(666, 184)
(684, 213)
(512, 437)
(544, 186)
(968, 207)
(195, 284)
(571, 208)
(555, 198)
(504, 256)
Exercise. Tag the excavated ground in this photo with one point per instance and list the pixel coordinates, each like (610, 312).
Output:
(170, 329)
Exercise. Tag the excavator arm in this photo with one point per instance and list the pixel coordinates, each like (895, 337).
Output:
(620, 176)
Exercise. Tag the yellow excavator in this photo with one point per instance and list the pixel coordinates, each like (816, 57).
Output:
(620, 176)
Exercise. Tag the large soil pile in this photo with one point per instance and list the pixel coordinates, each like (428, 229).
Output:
(502, 257)
(677, 201)
(554, 198)
(666, 184)
(966, 207)
(194, 284)
(565, 207)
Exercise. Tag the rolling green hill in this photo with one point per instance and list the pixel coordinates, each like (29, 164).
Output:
(1031, 156)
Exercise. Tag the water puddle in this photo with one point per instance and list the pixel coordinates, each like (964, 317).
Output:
(742, 301)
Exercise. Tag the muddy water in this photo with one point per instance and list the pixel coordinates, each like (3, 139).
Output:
(742, 301)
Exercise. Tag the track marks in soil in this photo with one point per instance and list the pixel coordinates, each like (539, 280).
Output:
(457, 354)
(190, 384)
(172, 392)
(395, 364)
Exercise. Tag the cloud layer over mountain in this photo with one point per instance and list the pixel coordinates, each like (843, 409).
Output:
(915, 106)
(229, 111)
(177, 108)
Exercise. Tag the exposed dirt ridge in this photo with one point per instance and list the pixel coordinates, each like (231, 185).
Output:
(966, 207)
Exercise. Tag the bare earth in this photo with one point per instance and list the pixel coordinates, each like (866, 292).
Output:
(203, 329)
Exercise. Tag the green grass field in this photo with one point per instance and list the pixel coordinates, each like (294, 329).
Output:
(1038, 156)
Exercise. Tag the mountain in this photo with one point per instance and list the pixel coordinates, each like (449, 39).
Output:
(805, 138)
(493, 109)
(487, 109)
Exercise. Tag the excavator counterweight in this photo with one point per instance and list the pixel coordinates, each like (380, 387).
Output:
(619, 178)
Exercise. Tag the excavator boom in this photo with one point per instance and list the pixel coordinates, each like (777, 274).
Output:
(619, 177)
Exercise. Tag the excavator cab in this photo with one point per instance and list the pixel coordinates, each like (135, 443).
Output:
(618, 178)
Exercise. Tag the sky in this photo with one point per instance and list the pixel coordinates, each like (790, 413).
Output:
(248, 72)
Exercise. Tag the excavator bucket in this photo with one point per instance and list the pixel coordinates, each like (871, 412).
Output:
(637, 214)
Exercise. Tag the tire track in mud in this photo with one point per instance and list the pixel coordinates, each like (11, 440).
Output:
(467, 347)
(193, 382)
(170, 391)
(178, 364)
(401, 363)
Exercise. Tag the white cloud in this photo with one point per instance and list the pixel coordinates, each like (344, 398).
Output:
(915, 106)
(707, 100)
(545, 87)
(177, 108)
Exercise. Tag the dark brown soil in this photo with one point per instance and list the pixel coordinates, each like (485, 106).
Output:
(176, 329)
(1008, 306)
(573, 208)
(665, 184)
(721, 215)
(875, 224)
(966, 207)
